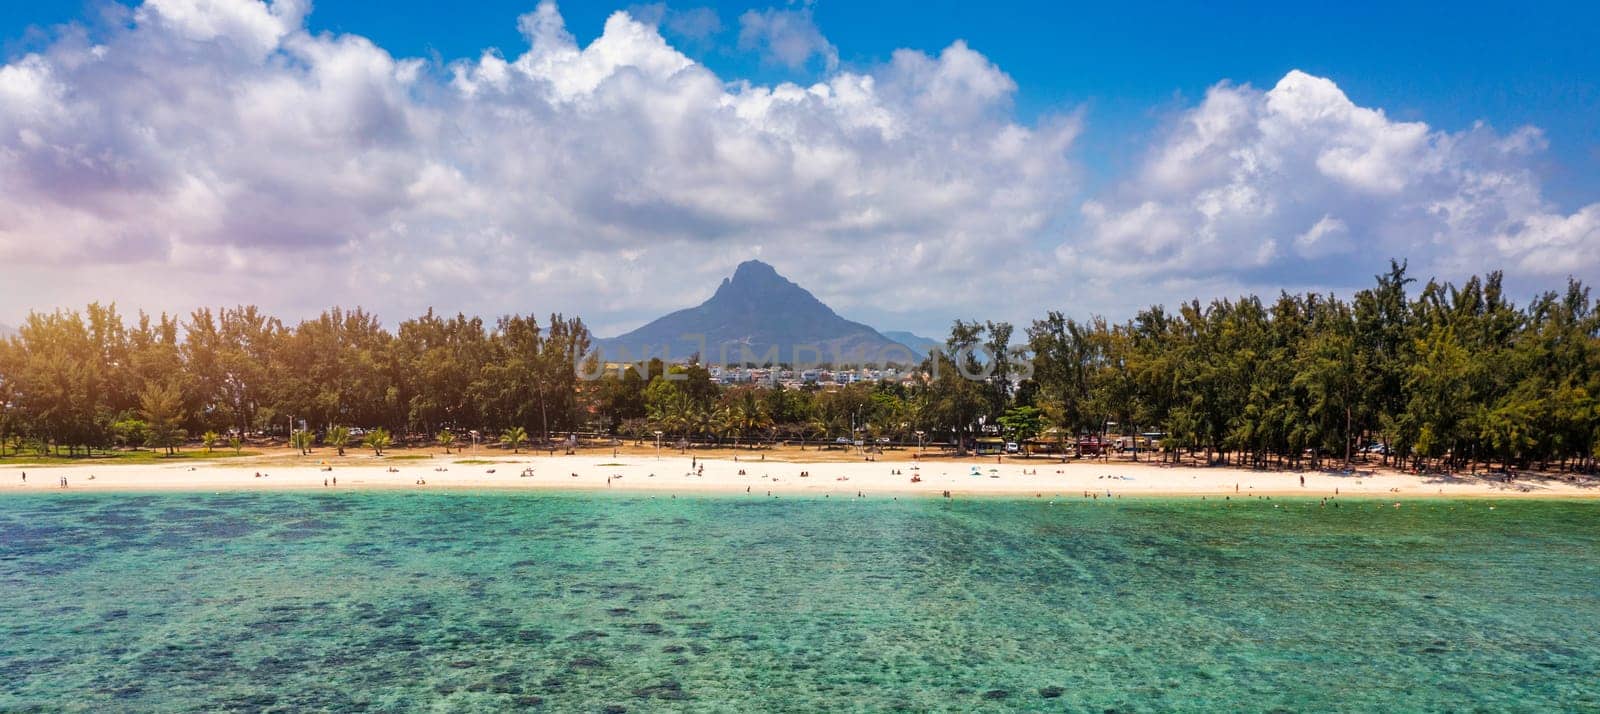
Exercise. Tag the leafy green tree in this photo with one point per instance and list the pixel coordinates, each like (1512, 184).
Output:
(161, 404)
(958, 392)
(446, 439)
(130, 432)
(1440, 374)
(1022, 424)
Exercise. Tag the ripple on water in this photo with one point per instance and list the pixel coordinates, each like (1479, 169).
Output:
(378, 601)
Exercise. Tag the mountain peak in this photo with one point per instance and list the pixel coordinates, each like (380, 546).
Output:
(754, 270)
(759, 311)
(755, 283)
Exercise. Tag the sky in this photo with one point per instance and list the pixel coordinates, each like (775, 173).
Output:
(910, 163)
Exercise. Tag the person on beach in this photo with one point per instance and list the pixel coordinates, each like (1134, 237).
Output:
(1302, 482)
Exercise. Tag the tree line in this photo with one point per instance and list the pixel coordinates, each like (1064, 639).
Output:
(1451, 377)
(1443, 376)
(78, 381)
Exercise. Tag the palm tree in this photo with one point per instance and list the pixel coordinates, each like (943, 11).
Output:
(750, 417)
(237, 444)
(725, 421)
(377, 440)
(446, 438)
(514, 437)
(301, 440)
(812, 426)
(338, 438)
(210, 439)
(675, 415)
(701, 420)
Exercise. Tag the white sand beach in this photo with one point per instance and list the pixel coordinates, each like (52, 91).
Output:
(750, 473)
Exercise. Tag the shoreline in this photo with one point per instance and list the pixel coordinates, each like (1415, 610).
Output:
(653, 475)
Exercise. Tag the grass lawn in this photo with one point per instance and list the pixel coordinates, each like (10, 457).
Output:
(141, 456)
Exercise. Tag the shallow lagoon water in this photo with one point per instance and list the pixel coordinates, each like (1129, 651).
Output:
(472, 601)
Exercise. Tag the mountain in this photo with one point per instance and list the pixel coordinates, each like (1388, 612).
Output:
(757, 316)
(919, 345)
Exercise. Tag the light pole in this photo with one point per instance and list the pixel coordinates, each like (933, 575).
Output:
(658, 444)
(853, 430)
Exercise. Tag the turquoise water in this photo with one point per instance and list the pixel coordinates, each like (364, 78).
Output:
(402, 601)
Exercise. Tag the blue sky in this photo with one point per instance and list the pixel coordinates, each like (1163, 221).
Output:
(1116, 89)
(1508, 64)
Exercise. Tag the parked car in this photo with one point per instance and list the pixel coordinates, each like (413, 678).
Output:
(842, 441)
(1011, 447)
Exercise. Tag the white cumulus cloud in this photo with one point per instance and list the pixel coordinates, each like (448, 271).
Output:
(215, 151)
(1299, 185)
